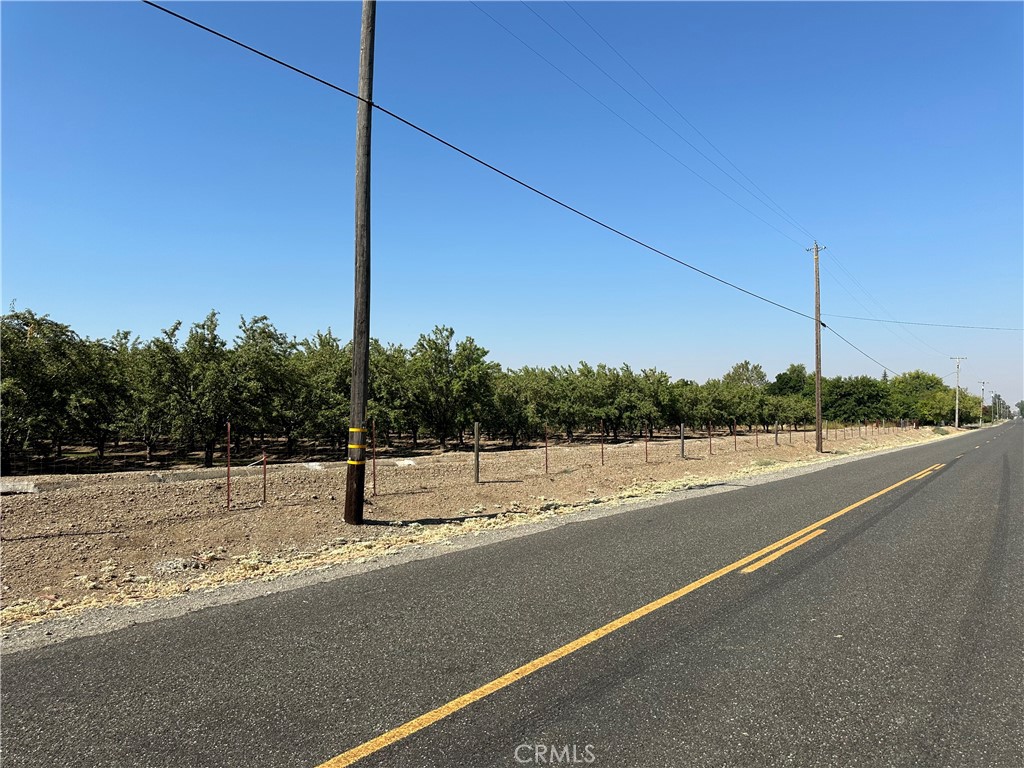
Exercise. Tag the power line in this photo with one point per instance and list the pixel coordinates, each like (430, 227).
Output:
(869, 357)
(863, 306)
(502, 173)
(780, 211)
(884, 309)
(476, 159)
(624, 120)
(683, 117)
(650, 111)
(784, 213)
(931, 325)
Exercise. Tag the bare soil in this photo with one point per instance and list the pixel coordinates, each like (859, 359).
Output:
(96, 540)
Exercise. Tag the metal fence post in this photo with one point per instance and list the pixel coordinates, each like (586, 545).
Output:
(476, 451)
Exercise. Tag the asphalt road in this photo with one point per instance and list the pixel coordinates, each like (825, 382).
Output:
(893, 638)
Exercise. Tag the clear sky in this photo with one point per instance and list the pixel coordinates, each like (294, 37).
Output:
(152, 172)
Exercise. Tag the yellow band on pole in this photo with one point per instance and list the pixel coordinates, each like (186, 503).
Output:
(357, 429)
(356, 462)
(359, 445)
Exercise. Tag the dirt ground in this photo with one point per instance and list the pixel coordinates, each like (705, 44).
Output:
(86, 541)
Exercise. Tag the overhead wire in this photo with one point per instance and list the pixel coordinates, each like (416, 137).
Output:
(931, 325)
(476, 159)
(781, 211)
(910, 334)
(650, 111)
(784, 214)
(863, 306)
(683, 117)
(502, 173)
(674, 157)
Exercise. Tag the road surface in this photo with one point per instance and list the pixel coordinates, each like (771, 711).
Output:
(868, 614)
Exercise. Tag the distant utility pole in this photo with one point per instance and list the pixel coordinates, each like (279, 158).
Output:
(356, 479)
(981, 417)
(956, 422)
(817, 349)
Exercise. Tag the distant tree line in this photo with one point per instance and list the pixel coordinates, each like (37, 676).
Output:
(59, 389)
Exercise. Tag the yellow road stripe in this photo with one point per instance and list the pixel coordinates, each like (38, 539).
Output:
(419, 723)
(928, 471)
(925, 471)
(780, 552)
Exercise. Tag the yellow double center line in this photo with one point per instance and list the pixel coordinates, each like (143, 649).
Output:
(774, 551)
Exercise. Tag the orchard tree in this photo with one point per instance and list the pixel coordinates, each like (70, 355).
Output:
(655, 406)
(474, 383)
(388, 405)
(324, 366)
(855, 399)
(910, 391)
(41, 379)
(715, 403)
(449, 387)
(267, 383)
(210, 398)
(565, 403)
(158, 387)
(795, 380)
(512, 413)
(745, 374)
(96, 403)
(936, 407)
(745, 383)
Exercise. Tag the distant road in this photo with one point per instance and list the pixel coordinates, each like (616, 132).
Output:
(869, 614)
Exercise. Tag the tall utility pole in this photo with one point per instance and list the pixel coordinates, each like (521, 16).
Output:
(817, 349)
(981, 417)
(956, 421)
(356, 479)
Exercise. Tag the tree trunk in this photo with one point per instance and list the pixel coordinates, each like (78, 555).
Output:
(149, 451)
(208, 453)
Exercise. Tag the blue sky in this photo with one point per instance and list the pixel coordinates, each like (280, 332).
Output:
(152, 172)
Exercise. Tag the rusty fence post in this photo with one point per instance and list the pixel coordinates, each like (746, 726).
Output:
(476, 452)
(229, 466)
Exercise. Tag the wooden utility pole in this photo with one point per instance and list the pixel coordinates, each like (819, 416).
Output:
(356, 480)
(956, 413)
(981, 418)
(817, 349)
